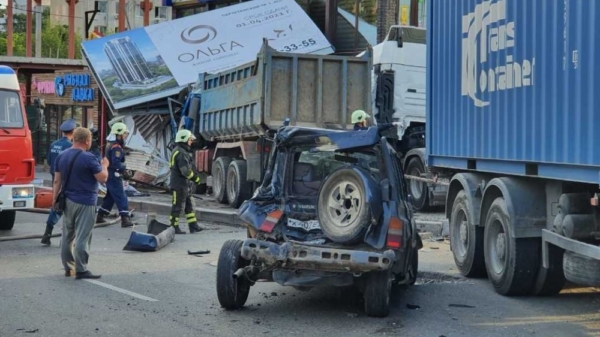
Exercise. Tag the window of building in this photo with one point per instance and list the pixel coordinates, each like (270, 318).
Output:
(161, 12)
(102, 6)
(100, 29)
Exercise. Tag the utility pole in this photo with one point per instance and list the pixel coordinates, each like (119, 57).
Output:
(414, 13)
(9, 28)
(122, 14)
(146, 6)
(387, 16)
(28, 24)
(38, 28)
(71, 49)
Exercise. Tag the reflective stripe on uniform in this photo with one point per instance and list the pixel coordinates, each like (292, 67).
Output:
(191, 217)
(174, 197)
(172, 163)
(189, 176)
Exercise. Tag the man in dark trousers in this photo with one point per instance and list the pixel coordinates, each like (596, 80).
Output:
(56, 148)
(115, 194)
(182, 171)
(77, 175)
(359, 119)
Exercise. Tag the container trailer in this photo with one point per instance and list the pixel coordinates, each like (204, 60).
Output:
(512, 120)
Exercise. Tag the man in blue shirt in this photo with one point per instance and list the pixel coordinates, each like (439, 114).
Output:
(56, 148)
(115, 194)
(81, 173)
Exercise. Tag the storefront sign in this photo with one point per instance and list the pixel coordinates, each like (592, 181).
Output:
(80, 83)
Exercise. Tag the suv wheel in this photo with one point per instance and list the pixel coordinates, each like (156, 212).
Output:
(377, 292)
(342, 208)
(231, 292)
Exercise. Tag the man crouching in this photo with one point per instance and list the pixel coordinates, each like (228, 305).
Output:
(182, 170)
(76, 177)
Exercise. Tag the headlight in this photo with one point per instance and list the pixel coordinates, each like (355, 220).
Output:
(22, 192)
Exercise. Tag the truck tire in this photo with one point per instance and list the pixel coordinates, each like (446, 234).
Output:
(342, 210)
(219, 174)
(551, 281)
(512, 264)
(418, 189)
(466, 239)
(7, 220)
(377, 292)
(238, 189)
(581, 270)
(231, 292)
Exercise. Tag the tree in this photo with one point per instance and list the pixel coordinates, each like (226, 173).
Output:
(55, 38)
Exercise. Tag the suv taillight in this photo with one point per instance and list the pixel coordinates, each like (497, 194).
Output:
(394, 234)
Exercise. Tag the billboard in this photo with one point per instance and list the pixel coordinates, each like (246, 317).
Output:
(154, 62)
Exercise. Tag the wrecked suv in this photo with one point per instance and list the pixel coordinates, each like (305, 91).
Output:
(332, 210)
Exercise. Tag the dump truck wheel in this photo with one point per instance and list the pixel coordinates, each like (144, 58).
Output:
(512, 264)
(219, 173)
(342, 207)
(238, 189)
(7, 220)
(377, 292)
(231, 292)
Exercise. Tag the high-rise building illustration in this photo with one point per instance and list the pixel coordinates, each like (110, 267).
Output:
(127, 61)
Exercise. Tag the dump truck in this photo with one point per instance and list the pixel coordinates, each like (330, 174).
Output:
(237, 111)
(512, 122)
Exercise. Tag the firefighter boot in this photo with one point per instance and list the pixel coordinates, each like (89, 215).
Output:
(46, 237)
(194, 228)
(100, 216)
(126, 221)
(178, 230)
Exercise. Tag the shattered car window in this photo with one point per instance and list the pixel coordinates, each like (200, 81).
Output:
(311, 168)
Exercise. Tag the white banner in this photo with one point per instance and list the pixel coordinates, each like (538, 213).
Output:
(233, 35)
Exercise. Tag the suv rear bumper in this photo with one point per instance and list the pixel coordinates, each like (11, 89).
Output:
(294, 255)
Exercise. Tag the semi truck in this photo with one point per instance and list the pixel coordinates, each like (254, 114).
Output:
(512, 122)
(398, 89)
(237, 111)
(17, 165)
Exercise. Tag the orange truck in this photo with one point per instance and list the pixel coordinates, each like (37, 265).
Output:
(17, 165)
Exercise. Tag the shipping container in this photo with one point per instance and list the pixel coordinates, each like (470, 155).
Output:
(513, 87)
(310, 90)
(511, 122)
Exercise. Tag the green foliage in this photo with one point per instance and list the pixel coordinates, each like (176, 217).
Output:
(55, 38)
(367, 9)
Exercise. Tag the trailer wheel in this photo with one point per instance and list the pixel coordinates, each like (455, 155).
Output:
(466, 239)
(231, 292)
(219, 173)
(581, 270)
(342, 209)
(512, 264)
(551, 281)
(377, 292)
(238, 189)
(418, 189)
(7, 220)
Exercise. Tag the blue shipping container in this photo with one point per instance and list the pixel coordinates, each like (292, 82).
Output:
(511, 87)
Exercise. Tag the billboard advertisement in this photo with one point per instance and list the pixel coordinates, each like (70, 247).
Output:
(154, 62)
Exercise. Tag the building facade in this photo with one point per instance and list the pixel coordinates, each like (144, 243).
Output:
(127, 61)
(61, 95)
(107, 19)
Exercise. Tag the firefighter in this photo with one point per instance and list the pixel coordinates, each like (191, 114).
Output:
(115, 194)
(359, 119)
(55, 149)
(182, 171)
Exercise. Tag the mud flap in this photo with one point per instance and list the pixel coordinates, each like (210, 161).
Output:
(158, 236)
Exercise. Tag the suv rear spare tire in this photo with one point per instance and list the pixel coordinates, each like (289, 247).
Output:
(342, 207)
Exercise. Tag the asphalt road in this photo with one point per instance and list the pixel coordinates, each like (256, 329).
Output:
(171, 293)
